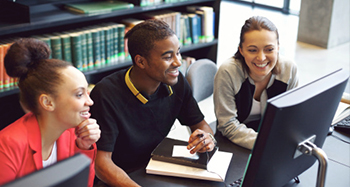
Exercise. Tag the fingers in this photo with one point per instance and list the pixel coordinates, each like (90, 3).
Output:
(201, 142)
(88, 132)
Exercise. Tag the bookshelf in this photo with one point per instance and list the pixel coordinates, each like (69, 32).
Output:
(59, 20)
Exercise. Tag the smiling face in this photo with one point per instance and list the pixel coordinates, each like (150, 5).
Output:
(72, 103)
(260, 51)
(163, 62)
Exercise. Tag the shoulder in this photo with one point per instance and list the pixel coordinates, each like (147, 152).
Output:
(15, 136)
(231, 70)
(109, 84)
(288, 69)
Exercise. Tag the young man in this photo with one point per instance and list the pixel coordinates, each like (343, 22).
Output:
(137, 107)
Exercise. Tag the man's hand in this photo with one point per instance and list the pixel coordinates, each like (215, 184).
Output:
(200, 141)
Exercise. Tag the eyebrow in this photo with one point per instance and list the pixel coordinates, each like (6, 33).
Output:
(170, 51)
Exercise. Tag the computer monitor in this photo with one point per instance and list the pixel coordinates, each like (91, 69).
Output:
(289, 119)
(73, 171)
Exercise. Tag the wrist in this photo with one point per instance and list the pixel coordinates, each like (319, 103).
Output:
(212, 138)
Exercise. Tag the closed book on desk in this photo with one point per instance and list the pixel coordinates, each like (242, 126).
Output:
(164, 152)
(97, 7)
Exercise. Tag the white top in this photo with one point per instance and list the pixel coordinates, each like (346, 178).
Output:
(255, 112)
(52, 158)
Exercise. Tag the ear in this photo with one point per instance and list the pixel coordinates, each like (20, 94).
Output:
(46, 102)
(140, 61)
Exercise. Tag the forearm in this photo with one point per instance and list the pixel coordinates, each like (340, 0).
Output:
(111, 174)
(238, 133)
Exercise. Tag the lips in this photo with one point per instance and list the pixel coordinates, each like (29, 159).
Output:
(262, 65)
(85, 114)
(173, 72)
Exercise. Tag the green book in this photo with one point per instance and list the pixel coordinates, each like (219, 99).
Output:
(90, 52)
(121, 41)
(66, 48)
(108, 43)
(84, 50)
(77, 56)
(98, 7)
(102, 46)
(56, 47)
(114, 42)
(96, 45)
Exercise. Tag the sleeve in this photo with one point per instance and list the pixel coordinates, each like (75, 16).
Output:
(10, 159)
(225, 107)
(294, 79)
(105, 113)
(190, 113)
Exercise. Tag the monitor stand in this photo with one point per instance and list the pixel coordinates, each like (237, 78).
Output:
(309, 148)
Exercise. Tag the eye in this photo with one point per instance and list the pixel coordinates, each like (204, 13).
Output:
(79, 95)
(252, 50)
(270, 49)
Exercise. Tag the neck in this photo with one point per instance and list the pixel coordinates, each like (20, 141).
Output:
(50, 132)
(142, 82)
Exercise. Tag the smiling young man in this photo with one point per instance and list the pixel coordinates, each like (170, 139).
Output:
(137, 107)
(244, 82)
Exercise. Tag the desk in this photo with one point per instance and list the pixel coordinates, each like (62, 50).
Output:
(338, 172)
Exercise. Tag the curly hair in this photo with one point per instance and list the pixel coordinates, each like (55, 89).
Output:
(141, 38)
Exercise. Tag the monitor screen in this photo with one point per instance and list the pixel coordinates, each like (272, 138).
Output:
(289, 119)
(73, 171)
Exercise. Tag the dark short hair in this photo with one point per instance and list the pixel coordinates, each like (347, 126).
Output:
(28, 59)
(255, 23)
(142, 36)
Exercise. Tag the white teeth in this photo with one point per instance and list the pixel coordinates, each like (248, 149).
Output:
(261, 65)
(84, 113)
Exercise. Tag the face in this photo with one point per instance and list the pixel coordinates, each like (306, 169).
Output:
(73, 102)
(164, 60)
(260, 51)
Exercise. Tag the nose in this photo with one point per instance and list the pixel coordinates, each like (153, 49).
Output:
(261, 56)
(89, 101)
(177, 61)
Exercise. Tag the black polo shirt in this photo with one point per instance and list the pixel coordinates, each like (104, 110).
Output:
(130, 127)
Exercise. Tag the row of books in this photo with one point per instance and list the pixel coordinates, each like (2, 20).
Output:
(192, 27)
(101, 45)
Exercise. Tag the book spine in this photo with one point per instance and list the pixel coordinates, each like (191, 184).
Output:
(121, 42)
(77, 57)
(108, 44)
(56, 47)
(115, 44)
(90, 52)
(66, 48)
(193, 19)
(102, 47)
(84, 50)
(96, 44)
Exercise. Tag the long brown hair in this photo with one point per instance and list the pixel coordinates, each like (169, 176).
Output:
(255, 23)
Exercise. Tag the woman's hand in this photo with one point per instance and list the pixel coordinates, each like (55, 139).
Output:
(87, 132)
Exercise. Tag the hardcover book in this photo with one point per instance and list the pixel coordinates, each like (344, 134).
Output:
(97, 7)
(164, 152)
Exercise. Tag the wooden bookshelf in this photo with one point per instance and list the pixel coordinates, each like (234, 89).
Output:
(59, 20)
